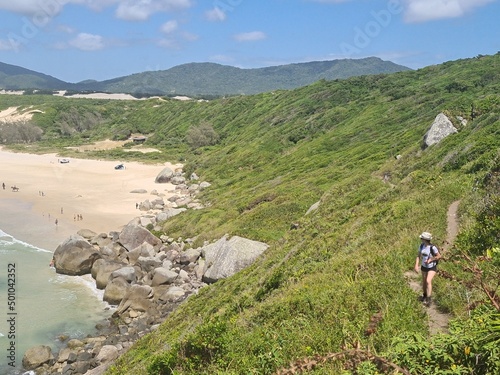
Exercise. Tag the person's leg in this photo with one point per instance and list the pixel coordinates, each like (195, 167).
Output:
(430, 276)
(428, 281)
(424, 285)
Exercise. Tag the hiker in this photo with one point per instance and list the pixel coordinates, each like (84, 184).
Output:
(428, 255)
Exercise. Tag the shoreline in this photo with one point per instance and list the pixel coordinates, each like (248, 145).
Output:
(50, 191)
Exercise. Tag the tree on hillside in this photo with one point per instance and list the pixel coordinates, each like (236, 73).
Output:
(202, 135)
(20, 132)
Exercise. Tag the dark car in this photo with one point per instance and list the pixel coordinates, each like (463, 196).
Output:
(120, 166)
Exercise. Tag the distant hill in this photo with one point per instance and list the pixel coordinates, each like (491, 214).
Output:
(13, 77)
(205, 79)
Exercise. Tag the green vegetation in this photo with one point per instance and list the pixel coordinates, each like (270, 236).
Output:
(205, 80)
(332, 285)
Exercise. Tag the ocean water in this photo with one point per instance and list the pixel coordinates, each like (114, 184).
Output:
(39, 306)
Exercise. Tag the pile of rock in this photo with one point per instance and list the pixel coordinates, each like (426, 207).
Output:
(144, 278)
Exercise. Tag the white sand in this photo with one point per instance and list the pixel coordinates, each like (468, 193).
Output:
(91, 188)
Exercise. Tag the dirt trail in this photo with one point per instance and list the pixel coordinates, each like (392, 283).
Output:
(438, 322)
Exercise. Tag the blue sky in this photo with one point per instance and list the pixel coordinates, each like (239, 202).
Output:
(74, 40)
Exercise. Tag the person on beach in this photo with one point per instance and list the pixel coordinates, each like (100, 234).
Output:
(3, 185)
(428, 256)
(56, 222)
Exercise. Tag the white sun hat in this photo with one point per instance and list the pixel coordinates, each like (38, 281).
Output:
(426, 236)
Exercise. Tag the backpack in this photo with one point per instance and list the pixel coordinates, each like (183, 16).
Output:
(434, 251)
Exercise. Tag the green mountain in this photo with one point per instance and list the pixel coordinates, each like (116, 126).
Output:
(331, 293)
(13, 77)
(204, 79)
(208, 79)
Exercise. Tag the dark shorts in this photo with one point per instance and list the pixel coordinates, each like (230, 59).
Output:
(425, 269)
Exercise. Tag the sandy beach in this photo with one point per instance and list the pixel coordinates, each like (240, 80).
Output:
(50, 191)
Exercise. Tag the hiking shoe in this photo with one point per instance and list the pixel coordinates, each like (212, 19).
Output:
(427, 301)
(422, 298)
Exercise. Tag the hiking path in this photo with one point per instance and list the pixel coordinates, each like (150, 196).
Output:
(438, 321)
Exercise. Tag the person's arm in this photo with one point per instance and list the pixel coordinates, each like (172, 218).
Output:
(416, 263)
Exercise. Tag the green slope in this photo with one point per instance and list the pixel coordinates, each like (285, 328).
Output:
(317, 287)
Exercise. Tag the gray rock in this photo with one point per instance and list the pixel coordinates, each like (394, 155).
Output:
(145, 205)
(75, 256)
(115, 290)
(138, 298)
(190, 256)
(133, 235)
(139, 191)
(107, 353)
(441, 128)
(148, 264)
(163, 276)
(127, 273)
(314, 207)
(224, 258)
(37, 356)
(204, 185)
(86, 233)
(102, 270)
(164, 176)
(173, 294)
(178, 180)
(168, 213)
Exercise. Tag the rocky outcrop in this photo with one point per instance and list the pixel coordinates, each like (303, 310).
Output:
(37, 356)
(226, 257)
(441, 128)
(164, 176)
(144, 278)
(133, 235)
(75, 256)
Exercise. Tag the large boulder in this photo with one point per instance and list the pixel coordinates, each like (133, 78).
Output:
(190, 256)
(75, 256)
(163, 276)
(37, 356)
(164, 176)
(108, 353)
(102, 270)
(441, 128)
(133, 235)
(138, 298)
(115, 290)
(226, 257)
(168, 213)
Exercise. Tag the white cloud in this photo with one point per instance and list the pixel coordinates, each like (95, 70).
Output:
(133, 10)
(215, 15)
(425, 10)
(169, 27)
(250, 37)
(87, 42)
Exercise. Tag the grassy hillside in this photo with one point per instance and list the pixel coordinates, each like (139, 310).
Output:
(318, 287)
